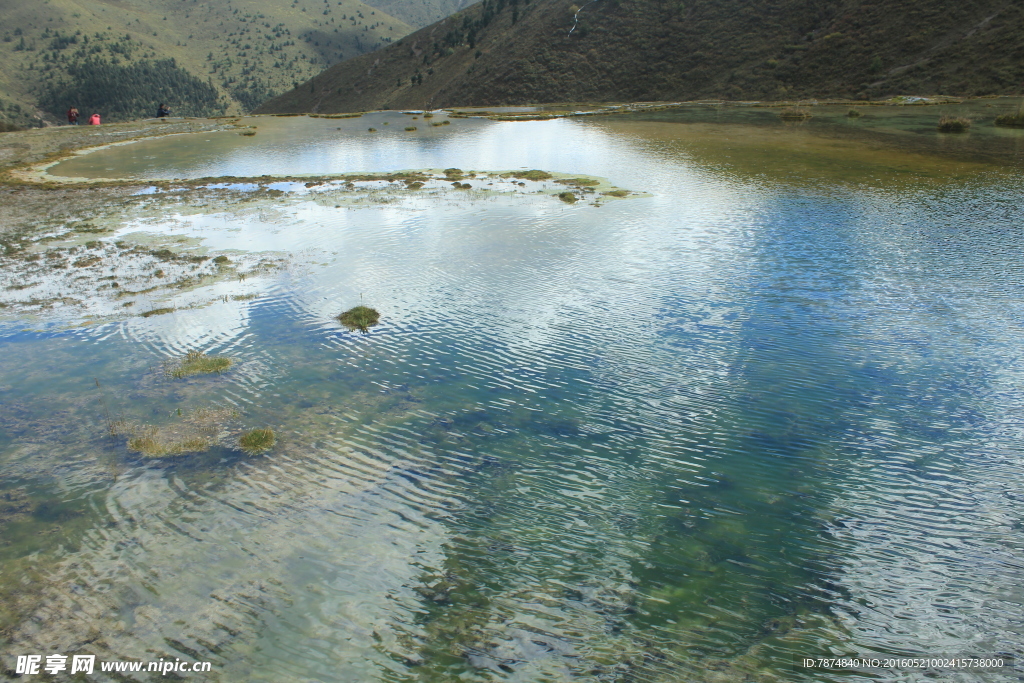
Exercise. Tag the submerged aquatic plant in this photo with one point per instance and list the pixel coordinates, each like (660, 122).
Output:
(150, 446)
(410, 128)
(359, 318)
(953, 124)
(855, 113)
(194, 432)
(567, 197)
(256, 441)
(795, 114)
(198, 363)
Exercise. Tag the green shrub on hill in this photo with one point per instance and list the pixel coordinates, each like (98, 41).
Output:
(643, 50)
(120, 92)
(13, 116)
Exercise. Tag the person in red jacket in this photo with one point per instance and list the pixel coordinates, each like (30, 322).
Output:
(94, 120)
(73, 116)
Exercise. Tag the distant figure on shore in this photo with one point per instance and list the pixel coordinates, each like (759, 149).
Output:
(73, 116)
(162, 111)
(94, 120)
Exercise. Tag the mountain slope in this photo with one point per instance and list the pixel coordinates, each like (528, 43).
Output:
(515, 51)
(229, 55)
(419, 13)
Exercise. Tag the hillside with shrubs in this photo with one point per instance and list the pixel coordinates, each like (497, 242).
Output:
(504, 52)
(121, 58)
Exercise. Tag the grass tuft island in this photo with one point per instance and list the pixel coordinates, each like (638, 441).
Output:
(256, 441)
(1014, 120)
(198, 363)
(953, 124)
(359, 318)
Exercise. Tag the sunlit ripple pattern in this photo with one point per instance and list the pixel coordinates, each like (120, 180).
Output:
(688, 437)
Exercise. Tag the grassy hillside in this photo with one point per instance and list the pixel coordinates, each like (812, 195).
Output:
(420, 13)
(518, 51)
(122, 57)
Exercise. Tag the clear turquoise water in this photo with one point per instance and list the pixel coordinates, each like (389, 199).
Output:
(758, 415)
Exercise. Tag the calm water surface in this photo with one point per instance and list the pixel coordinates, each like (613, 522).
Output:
(772, 410)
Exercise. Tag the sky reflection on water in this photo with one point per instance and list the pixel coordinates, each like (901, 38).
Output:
(690, 436)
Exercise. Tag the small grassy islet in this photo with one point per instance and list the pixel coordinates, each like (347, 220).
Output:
(534, 174)
(1015, 120)
(198, 363)
(359, 318)
(953, 124)
(192, 432)
(794, 114)
(256, 441)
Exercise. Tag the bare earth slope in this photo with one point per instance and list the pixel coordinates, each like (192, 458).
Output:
(508, 52)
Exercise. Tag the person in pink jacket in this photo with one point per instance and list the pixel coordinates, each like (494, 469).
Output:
(94, 120)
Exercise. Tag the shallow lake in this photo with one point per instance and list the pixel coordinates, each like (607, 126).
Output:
(767, 407)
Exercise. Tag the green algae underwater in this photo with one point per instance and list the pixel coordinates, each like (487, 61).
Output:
(762, 407)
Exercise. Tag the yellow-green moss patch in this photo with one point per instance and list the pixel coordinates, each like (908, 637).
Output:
(257, 441)
(198, 363)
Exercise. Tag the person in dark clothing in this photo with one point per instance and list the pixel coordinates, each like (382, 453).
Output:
(162, 111)
(73, 116)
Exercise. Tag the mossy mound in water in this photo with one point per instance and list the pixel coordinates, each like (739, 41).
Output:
(1015, 120)
(579, 182)
(193, 432)
(198, 363)
(359, 318)
(953, 124)
(149, 446)
(534, 174)
(256, 441)
(794, 114)
(567, 197)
